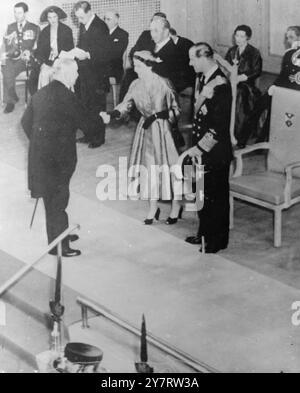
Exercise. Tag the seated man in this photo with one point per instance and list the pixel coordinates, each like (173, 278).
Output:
(186, 75)
(19, 42)
(118, 44)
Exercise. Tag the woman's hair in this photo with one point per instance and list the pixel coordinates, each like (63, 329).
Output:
(246, 29)
(145, 57)
(295, 29)
(53, 11)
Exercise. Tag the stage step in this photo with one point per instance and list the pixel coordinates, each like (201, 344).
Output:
(29, 324)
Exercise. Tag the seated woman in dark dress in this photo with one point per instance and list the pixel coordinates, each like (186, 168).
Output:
(53, 39)
(249, 69)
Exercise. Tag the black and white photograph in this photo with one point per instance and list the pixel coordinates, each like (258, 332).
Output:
(150, 189)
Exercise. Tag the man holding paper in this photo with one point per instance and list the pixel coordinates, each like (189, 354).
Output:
(92, 54)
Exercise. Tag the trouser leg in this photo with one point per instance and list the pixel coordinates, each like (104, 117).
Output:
(214, 217)
(56, 203)
(10, 72)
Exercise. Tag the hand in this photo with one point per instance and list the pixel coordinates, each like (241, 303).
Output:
(242, 78)
(271, 90)
(105, 117)
(26, 55)
(80, 54)
(194, 152)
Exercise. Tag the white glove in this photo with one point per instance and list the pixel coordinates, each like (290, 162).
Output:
(105, 117)
(271, 90)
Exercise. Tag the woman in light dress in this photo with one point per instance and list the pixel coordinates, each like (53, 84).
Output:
(154, 155)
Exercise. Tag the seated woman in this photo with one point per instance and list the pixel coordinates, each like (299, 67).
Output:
(259, 121)
(53, 39)
(154, 149)
(249, 69)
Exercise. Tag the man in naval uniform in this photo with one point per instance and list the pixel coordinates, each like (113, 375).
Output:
(212, 146)
(19, 41)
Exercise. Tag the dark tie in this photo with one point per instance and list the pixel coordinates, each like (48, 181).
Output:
(200, 83)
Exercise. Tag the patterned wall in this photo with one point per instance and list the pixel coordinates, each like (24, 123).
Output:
(135, 14)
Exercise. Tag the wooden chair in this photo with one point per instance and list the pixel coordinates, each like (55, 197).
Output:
(278, 187)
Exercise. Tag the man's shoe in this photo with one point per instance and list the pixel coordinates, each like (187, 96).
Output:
(9, 108)
(94, 145)
(66, 252)
(73, 238)
(195, 240)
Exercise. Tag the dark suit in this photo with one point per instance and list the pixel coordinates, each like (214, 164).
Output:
(118, 44)
(25, 40)
(169, 67)
(50, 122)
(186, 73)
(42, 53)
(93, 74)
(215, 115)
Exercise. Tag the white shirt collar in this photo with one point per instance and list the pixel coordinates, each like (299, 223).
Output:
(88, 25)
(162, 44)
(210, 73)
(112, 30)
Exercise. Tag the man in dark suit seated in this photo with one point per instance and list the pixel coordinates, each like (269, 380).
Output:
(186, 76)
(118, 44)
(19, 41)
(94, 58)
(50, 122)
(212, 144)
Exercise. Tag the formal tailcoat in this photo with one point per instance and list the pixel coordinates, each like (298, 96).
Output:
(65, 42)
(290, 70)
(24, 40)
(186, 74)
(50, 122)
(215, 114)
(118, 44)
(94, 72)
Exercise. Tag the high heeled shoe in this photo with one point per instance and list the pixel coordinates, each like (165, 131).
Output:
(173, 221)
(149, 221)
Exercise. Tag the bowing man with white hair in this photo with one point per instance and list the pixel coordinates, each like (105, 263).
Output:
(50, 122)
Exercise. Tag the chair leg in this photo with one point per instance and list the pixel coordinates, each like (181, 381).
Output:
(231, 222)
(115, 98)
(277, 228)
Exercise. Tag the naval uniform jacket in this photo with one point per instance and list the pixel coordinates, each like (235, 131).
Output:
(214, 115)
(25, 40)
